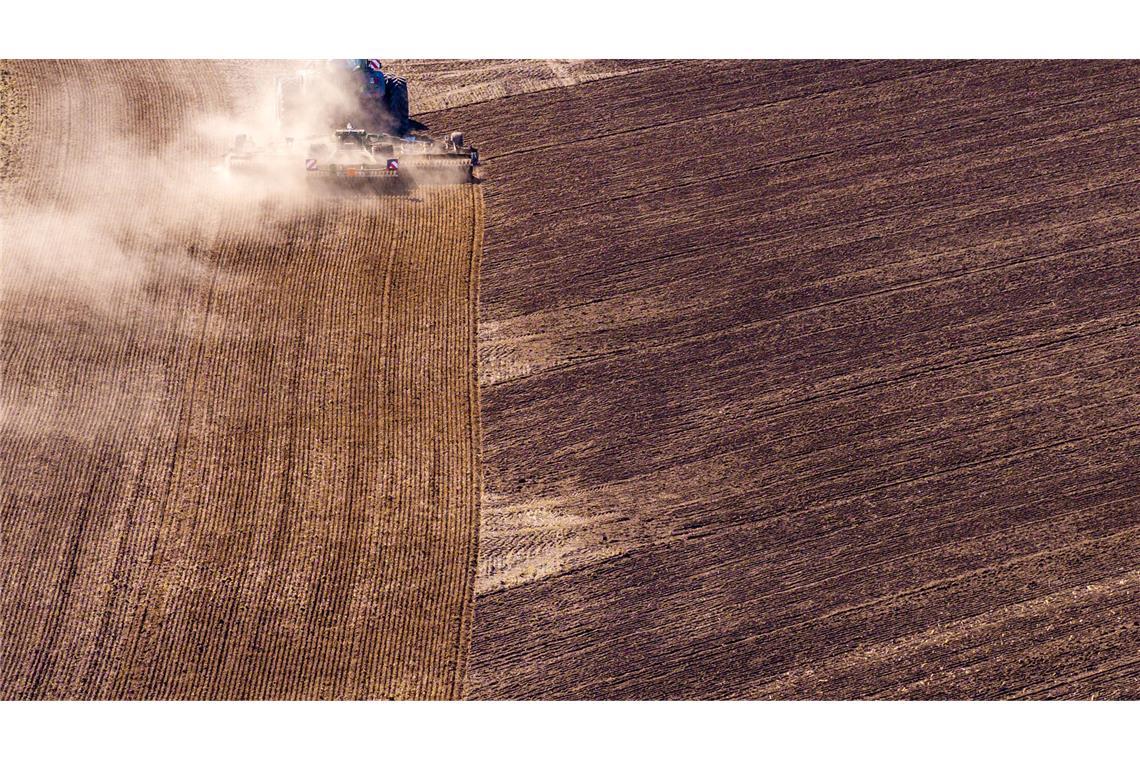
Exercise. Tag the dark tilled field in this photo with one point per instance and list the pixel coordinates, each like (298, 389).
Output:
(811, 380)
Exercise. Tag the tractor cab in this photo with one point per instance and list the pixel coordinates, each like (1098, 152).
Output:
(347, 139)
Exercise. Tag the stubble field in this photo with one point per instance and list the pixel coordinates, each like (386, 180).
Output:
(240, 438)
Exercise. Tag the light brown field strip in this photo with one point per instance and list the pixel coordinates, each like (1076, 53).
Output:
(239, 458)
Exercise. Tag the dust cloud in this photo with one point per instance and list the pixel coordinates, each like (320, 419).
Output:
(117, 205)
(112, 214)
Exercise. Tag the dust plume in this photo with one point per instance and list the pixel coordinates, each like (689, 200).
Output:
(112, 214)
(122, 221)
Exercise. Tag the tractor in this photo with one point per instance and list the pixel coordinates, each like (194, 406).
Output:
(347, 122)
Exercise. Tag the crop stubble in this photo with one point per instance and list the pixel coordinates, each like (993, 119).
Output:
(813, 380)
(250, 475)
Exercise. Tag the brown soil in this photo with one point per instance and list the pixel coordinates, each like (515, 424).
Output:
(812, 380)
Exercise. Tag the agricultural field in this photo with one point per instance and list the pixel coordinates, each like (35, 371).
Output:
(766, 380)
(812, 380)
(240, 435)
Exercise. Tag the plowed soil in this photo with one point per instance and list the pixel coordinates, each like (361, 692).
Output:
(240, 439)
(812, 380)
